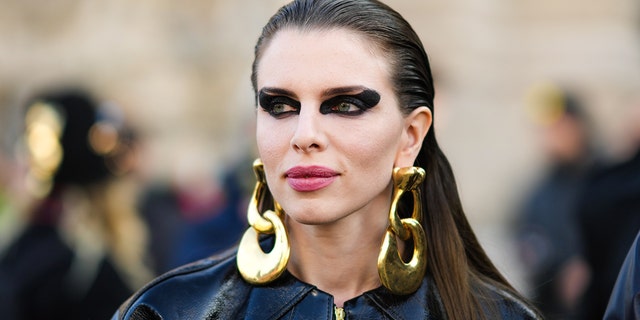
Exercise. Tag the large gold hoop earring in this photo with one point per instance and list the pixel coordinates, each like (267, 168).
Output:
(255, 265)
(396, 275)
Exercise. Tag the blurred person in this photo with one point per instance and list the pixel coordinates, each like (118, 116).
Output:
(355, 212)
(624, 303)
(547, 231)
(220, 225)
(13, 195)
(11, 199)
(81, 250)
(195, 216)
(609, 215)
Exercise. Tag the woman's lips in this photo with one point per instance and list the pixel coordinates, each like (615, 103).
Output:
(312, 178)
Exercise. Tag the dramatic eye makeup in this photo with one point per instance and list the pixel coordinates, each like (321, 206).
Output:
(351, 104)
(278, 103)
(350, 101)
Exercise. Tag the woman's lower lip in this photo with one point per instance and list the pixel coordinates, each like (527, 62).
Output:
(310, 183)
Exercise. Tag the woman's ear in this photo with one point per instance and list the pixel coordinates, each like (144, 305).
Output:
(416, 127)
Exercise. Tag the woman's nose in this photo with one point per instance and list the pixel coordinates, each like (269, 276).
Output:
(308, 135)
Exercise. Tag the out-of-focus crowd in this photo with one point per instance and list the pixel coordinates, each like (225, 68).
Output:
(576, 224)
(79, 232)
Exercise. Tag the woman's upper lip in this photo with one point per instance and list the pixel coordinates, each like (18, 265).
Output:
(310, 172)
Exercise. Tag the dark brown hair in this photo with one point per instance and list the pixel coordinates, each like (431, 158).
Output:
(459, 266)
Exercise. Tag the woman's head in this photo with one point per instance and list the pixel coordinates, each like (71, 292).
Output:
(338, 123)
(410, 71)
(312, 54)
(384, 29)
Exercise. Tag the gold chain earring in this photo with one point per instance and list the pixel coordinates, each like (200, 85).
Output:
(399, 277)
(256, 266)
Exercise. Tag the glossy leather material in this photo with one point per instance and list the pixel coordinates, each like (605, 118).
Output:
(213, 289)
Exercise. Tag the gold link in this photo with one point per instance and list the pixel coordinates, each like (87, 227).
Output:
(256, 266)
(255, 219)
(405, 179)
(396, 275)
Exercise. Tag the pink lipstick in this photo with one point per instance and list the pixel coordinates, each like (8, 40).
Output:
(312, 178)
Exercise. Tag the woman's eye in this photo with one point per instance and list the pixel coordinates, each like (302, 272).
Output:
(278, 106)
(345, 107)
(352, 104)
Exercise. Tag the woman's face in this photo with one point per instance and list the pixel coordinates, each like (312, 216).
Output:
(329, 128)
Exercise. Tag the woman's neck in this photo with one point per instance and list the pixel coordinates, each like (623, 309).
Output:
(340, 258)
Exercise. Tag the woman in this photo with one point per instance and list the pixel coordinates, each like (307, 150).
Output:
(345, 100)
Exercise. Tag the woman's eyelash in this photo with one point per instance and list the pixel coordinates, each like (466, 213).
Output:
(365, 100)
(277, 105)
(333, 105)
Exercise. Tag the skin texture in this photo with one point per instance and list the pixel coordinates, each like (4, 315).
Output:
(345, 220)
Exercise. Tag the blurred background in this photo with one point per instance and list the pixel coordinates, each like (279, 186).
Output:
(178, 72)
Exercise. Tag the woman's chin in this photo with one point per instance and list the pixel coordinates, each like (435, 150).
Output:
(312, 219)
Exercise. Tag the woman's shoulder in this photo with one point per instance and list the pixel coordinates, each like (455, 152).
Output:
(206, 285)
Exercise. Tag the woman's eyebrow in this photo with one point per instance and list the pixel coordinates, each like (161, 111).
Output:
(331, 92)
(344, 90)
(276, 91)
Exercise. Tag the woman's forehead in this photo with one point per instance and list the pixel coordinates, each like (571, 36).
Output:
(338, 56)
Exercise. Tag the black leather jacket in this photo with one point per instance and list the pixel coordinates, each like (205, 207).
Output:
(213, 289)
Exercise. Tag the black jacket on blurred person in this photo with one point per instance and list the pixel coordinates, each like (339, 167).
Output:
(80, 252)
(546, 228)
(549, 237)
(43, 278)
(610, 219)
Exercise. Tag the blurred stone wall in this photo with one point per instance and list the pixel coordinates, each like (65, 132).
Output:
(180, 72)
